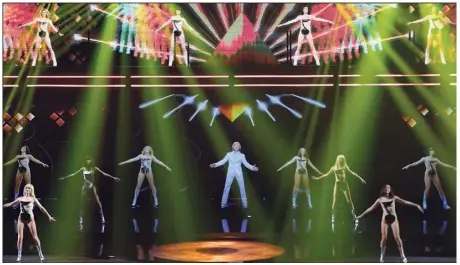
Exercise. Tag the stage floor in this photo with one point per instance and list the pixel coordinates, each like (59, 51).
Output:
(302, 235)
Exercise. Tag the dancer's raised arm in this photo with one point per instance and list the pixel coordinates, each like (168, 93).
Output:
(322, 20)
(398, 199)
(370, 209)
(356, 175)
(14, 160)
(50, 218)
(287, 163)
(137, 158)
(414, 164)
(156, 160)
(249, 166)
(71, 175)
(289, 22)
(37, 161)
(446, 165)
(106, 174)
(314, 168)
(221, 162)
(164, 25)
(324, 175)
(29, 23)
(13, 203)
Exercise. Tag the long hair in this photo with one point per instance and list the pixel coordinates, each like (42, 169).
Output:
(27, 149)
(89, 166)
(337, 162)
(32, 189)
(300, 155)
(151, 150)
(48, 14)
(383, 192)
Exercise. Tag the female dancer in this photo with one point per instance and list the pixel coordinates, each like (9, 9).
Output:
(43, 35)
(234, 158)
(8, 32)
(88, 183)
(431, 175)
(437, 21)
(301, 160)
(26, 216)
(146, 158)
(305, 32)
(340, 170)
(23, 171)
(389, 218)
(178, 34)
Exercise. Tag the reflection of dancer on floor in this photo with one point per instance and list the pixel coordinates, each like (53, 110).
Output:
(43, 34)
(8, 40)
(226, 226)
(26, 216)
(177, 34)
(437, 22)
(389, 218)
(23, 171)
(305, 33)
(234, 158)
(340, 170)
(88, 184)
(145, 244)
(301, 171)
(431, 175)
(146, 158)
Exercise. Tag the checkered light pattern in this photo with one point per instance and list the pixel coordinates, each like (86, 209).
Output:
(58, 116)
(16, 122)
(424, 111)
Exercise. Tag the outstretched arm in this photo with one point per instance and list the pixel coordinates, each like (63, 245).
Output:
(71, 175)
(164, 25)
(287, 163)
(56, 30)
(289, 22)
(324, 175)
(137, 158)
(13, 203)
(28, 24)
(356, 175)
(50, 218)
(408, 203)
(190, 27)
(370, 209)
(314, 168)
(37, 161)
(15, 159)
(221, 162)
(414, 164)
(446, 165)
(247, 165)
(160, 163)
(107, 175)
(420, 20)
(322, 20)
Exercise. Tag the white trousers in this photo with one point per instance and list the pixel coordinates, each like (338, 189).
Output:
(228, 184)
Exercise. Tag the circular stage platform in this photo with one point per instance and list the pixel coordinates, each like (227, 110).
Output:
(217, 251)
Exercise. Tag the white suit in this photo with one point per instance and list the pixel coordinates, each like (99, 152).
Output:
(234, 159)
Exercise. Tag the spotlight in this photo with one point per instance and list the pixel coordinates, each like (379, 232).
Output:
(77, 37)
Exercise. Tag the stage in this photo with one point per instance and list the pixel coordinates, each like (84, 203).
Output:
(146, 234)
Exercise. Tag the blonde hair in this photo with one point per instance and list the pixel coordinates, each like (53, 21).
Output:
(151, 150)
(32, 189)
(299, 153)
(337, 162)
(48, 14)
